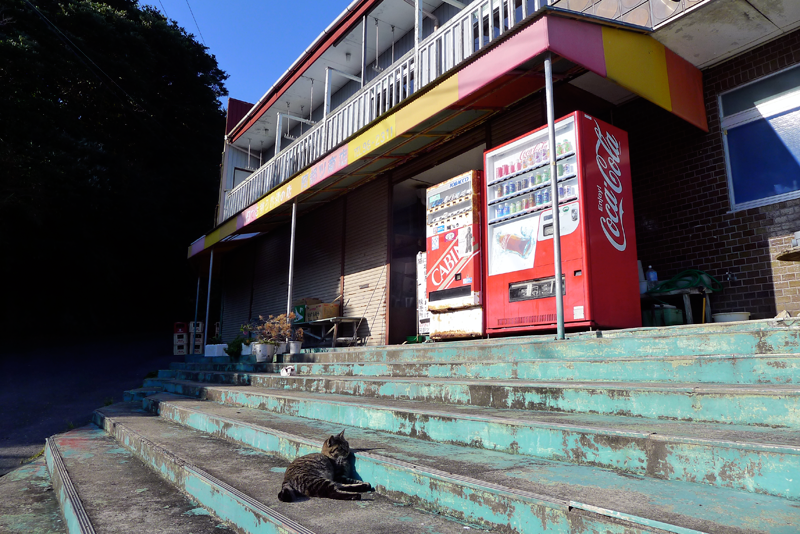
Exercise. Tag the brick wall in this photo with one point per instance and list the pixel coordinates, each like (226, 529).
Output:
(681, 203)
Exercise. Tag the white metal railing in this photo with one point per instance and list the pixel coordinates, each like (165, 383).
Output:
(474, 28)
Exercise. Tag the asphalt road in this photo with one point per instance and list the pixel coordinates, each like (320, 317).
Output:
(48, 391)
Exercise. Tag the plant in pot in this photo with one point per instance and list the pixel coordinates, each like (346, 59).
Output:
(296, 342)
(247, 341)
(234, 348)
(283, 325)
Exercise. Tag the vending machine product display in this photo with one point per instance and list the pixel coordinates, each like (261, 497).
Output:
(599, 280)
(454, 261)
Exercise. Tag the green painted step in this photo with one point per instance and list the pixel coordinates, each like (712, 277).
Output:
(103, 488)
(227, 367)
(716, 369)
(761, 405)
(775, 341)
(241, 483)
(500, 489)
(749, 458)
(28, 504)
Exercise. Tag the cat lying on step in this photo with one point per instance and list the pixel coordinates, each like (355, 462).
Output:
(325, 474)
(288, 371)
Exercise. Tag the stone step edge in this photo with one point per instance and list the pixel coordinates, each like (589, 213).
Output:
(222, 426)
(677, 387)
(75, 516)
(525, 423)
(168, 465)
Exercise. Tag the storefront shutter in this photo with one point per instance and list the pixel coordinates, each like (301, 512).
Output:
(366, 242)
(271, 273)
(237, 287)
(318, 253)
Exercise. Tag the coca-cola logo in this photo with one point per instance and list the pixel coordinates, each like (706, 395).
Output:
(607, 153)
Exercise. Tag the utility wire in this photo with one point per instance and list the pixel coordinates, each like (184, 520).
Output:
(162, 9)
(195, 23)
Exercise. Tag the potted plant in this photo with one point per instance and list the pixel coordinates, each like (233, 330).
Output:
(247, 341)
(296, 342)
(234, 348)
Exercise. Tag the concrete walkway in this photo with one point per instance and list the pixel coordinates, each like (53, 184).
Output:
(47, 391)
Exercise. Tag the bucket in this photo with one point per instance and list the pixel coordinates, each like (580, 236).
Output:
(730, 317)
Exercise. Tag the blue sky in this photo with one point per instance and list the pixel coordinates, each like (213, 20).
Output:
(254, 41)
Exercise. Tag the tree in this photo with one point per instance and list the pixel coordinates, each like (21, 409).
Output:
(110, 141)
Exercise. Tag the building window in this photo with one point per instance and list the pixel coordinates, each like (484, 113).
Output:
(761, 132)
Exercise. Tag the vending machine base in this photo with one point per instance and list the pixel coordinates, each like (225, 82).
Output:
(457, 324)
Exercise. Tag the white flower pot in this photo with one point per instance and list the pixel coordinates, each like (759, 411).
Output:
(281, 348)
(294, 347)
(264, 351)
(215, 350)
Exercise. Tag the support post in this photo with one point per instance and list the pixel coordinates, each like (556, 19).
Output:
(417, 40)
(291, 258)
(197, 299)
(551, 130)
(208, 297)
(363, 51)
(327, 108)
(278, 135)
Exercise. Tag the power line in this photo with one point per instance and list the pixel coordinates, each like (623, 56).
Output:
(195, 22)
(162, 9)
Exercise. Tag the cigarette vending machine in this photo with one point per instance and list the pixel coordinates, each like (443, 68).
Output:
(600, 277)
(454, 262)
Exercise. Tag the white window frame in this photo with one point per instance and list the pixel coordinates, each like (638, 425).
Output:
(738, 119)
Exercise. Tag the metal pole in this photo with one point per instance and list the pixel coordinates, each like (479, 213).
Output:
(208, 297)
(551, 129)
(364, 51)
(291, 258)
(327, 108)
(197, 300)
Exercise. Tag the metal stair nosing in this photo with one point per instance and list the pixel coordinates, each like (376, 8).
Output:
(75, 516)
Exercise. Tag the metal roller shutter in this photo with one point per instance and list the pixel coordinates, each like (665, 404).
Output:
(271, 273)
(365, 259)
(237, 288)
(318, 253)
(519, 120)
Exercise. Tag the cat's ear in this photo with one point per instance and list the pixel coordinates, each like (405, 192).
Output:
(341, 434)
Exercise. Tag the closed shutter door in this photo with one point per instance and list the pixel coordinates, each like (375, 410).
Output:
(366, 241)
(318, 254)
(237, 287)
(271, 273)
(519, 120)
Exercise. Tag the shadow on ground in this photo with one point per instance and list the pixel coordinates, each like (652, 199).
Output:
(47, 391)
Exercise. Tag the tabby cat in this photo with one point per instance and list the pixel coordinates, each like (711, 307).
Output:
(325, 474)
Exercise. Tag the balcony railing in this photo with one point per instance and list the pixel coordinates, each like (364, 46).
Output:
(474, 28)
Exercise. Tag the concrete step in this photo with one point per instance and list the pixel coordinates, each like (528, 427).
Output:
(242, 483)
(713, 369)
(497, 489)
(766, 405)
(747, 458)
(103, 488)
(785, 341)
(27, 502)
(141, 393)
(227, 367)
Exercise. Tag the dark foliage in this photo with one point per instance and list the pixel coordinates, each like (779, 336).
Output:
(110, 140)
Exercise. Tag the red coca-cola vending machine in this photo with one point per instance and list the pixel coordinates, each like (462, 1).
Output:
(454, 261)
(600, 281)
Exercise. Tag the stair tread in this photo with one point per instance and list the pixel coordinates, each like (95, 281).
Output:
(120, 494)
(696, 506)
(752, 389)
(28, 503)
(617, 424)
(259, 475)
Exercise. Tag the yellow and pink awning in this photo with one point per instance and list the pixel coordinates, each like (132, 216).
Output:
(631, 59)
